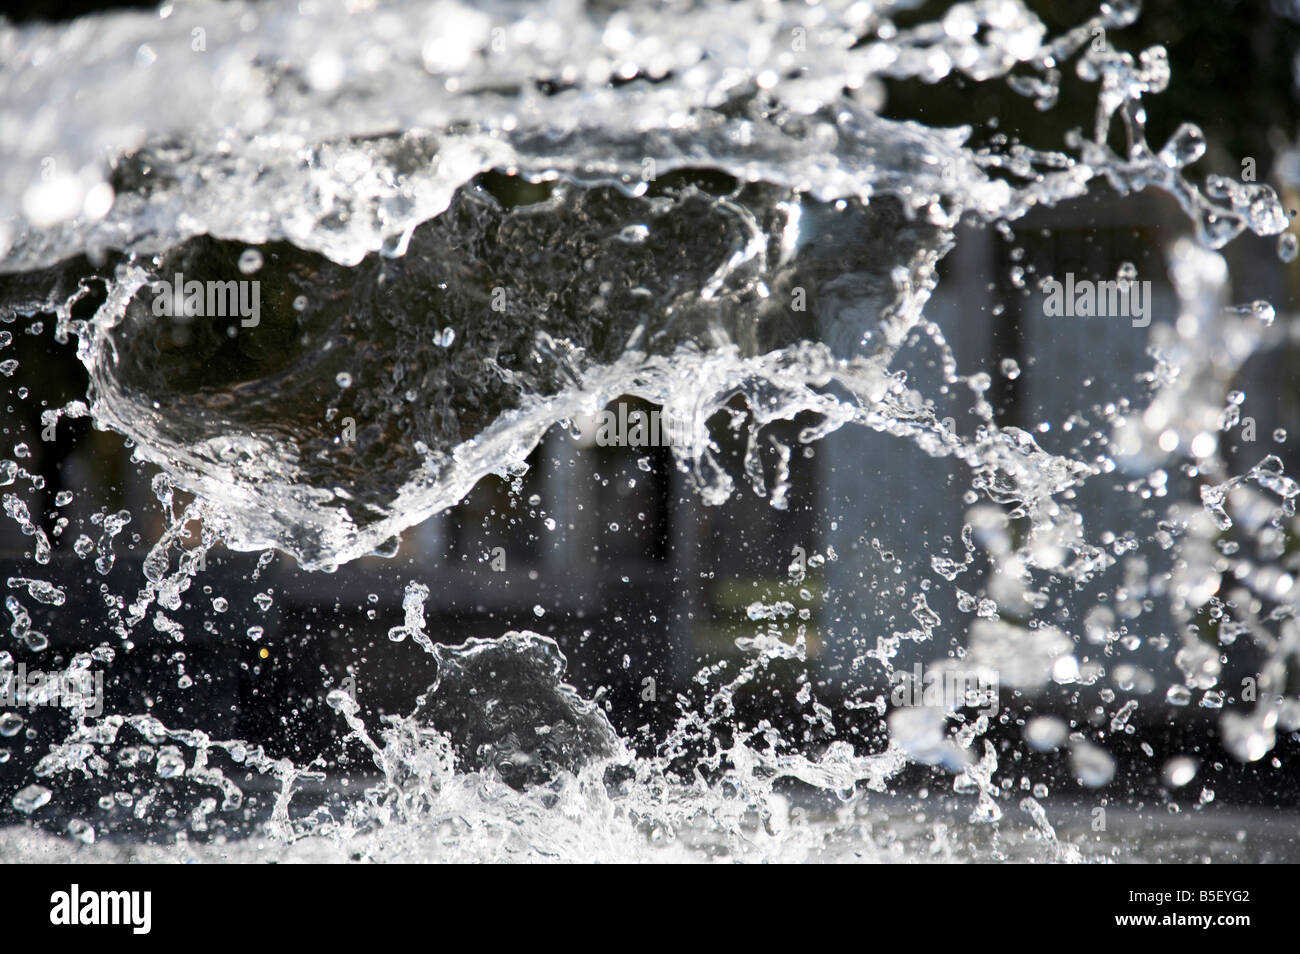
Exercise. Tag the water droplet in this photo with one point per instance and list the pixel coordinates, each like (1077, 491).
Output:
(1288, 247)
(81, 831)
(31, 798)
(1092, 765)
(1045, 733)
(1248, 737)
(250, 261)
(1184, 147)
(1178, 771)
(170, 763)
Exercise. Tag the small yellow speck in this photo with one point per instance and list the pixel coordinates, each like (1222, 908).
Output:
(263, 652)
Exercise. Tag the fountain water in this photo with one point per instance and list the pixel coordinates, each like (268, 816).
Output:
(467, 229)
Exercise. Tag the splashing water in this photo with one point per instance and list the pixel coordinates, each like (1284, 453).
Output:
(474, 226)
